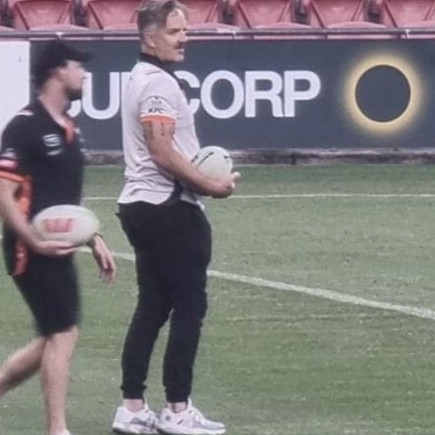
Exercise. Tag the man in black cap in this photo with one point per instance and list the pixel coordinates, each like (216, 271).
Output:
(41, 165)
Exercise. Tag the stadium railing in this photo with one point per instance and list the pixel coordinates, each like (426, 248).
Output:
(227, 33)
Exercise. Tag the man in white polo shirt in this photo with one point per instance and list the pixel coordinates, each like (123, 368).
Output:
(162, 215)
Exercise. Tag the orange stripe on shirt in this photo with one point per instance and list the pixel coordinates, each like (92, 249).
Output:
(21, 250)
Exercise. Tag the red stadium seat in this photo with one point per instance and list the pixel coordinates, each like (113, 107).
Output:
(37, 14)
(60, 27)
(251, 13)
(218, 31)
(204, 11)
(105, 14)
(397, 13)
(323, 13)
(121, 26)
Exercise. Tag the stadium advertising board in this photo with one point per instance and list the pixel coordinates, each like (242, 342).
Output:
(281, 94)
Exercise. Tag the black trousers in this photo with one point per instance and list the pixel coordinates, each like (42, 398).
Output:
(172, 243)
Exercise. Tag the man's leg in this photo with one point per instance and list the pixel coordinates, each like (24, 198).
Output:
(50, 288)
(185, 264)
(152, 311)
(21, 365)
(141, 223)
(55, 367)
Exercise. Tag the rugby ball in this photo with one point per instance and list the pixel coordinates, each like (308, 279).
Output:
(66, 222)
(214, 162)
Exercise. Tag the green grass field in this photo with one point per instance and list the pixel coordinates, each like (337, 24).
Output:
(322, 309)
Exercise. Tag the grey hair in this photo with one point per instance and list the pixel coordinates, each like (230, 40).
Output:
(154, 13)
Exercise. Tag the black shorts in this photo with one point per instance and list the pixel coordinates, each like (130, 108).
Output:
(50, 287)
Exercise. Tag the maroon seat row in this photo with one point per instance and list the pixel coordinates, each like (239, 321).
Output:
(251, 14)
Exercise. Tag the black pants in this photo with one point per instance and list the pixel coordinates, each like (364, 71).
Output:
(172, 243)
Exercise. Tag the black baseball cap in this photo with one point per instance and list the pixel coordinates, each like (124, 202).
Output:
(54, 54)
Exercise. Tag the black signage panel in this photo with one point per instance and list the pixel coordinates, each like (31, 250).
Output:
(274, 94)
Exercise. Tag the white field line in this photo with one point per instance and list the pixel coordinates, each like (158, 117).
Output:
(304, 195)
(423, 313)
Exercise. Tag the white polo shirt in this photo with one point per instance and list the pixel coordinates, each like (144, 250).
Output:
(151, 92)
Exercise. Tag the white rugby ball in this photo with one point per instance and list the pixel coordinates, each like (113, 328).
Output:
(213, 161)
(66, 222)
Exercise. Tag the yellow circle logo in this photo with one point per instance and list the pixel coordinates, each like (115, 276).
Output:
(383, 94)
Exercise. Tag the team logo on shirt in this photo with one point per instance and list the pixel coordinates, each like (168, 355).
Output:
(156, 105)
(54, 144)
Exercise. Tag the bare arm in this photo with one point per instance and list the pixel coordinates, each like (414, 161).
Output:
(16, 221)
(104, 258)
(159, 135)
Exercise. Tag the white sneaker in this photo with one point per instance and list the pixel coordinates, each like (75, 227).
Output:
(140, 422)
(188, 422)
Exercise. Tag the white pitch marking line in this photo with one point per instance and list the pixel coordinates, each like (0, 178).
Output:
(305, 195)
(423, 313)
